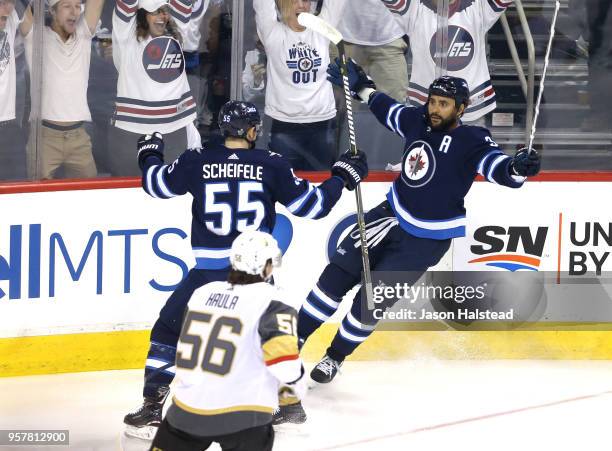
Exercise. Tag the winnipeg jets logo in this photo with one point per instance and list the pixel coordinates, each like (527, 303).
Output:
(163, 59)
(418, 164)
(305, 62)
(460, 48)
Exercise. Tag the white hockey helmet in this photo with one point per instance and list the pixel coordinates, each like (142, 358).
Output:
(252, 249)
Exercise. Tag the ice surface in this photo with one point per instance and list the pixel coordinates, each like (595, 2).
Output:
(409, 405)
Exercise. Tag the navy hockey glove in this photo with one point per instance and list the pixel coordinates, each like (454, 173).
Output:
(358, 79)
(351, 168)
(149, 145)
(525, 163)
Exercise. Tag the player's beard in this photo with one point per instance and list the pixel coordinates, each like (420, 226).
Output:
(444, 124)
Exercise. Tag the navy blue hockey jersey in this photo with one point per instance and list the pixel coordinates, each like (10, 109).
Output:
(438, 169)
(235, 190)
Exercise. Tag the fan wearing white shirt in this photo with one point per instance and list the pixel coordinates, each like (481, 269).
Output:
(65, 77)
(12, 151)
(376, 41)
(153, 92)
(299, 99)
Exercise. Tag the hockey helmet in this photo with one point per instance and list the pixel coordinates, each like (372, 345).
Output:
(251, 251)
(453, 87)
(237, 117)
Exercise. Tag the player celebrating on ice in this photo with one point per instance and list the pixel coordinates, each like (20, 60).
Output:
(413, 228)
(234, 188)
(230, 401)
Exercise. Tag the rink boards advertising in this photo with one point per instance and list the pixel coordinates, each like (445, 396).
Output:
(86, 266)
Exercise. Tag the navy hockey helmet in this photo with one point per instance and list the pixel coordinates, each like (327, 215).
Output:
(453, 87)
(237, 117)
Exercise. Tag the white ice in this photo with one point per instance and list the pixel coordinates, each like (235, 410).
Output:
(409, 405)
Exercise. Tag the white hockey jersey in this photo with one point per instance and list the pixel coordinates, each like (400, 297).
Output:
(152, 90)
(191, 31)
(297, 87)
(237, 343)
(468, 23)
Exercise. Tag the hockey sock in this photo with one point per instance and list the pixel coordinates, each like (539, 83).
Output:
(318, 308)
(159, 369)
(351, 333)
(324, 299)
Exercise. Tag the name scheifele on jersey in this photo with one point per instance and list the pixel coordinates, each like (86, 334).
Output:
(232, 171)
(235, 190)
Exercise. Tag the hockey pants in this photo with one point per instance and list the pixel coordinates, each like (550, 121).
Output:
(390, 249)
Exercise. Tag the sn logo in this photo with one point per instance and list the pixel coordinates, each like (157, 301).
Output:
(498, 239)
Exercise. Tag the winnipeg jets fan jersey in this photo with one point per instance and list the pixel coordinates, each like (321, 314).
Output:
(235, 190)
(468, 23)
(152, 89)
(438, 169)
(237, 343)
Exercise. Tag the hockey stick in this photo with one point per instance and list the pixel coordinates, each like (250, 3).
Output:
(318, 25)
(546, 59)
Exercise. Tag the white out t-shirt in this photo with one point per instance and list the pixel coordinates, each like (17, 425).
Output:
(297, 87)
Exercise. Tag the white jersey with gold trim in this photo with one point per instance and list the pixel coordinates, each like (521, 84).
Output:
(237, 344)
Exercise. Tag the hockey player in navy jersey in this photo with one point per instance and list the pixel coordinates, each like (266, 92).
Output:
(235, 188)
(413, 228)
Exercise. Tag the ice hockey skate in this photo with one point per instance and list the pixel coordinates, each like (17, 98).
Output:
(144, 421)
(325, 371)
(291, 413)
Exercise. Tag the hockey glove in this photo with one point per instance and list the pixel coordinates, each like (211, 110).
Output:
(351, 168)
(149, 145)
(358, 79)
(525, 163)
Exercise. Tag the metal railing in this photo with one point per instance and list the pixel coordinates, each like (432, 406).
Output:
(527, 83)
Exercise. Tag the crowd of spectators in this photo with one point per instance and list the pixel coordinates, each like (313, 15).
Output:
(111, 70)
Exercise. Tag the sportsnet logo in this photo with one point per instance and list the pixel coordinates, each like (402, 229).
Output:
(163, 59)
(499, 247)
(460, 48)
